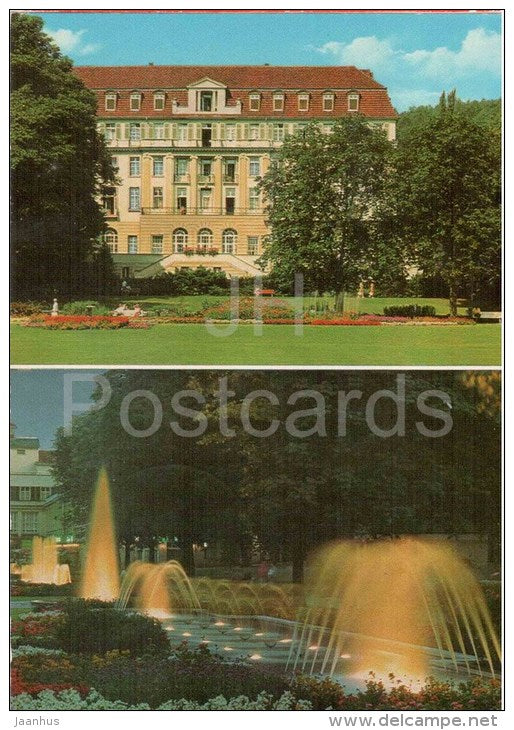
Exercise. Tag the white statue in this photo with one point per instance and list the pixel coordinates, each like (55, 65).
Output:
(55, 308)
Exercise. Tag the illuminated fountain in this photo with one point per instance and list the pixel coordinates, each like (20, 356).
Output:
(45, 566)
(101, 577)
(158, 589)
(398, 606)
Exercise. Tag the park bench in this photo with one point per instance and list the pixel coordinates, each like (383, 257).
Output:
(128, 313)
(264, 292)
(489, 317)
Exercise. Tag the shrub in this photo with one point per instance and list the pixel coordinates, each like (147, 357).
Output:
(80, 307)
(90, 629)
(191, 674)
(25, 309)
(41, 589)
(410, 310)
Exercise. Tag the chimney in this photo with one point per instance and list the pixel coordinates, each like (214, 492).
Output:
(367, 72)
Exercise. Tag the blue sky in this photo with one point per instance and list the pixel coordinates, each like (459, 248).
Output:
(37, 401)
(416, 54)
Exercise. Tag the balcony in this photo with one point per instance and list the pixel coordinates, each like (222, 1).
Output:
(182, 178)
(111, 213)
(201, 211)
(231, 178)
(206, 179)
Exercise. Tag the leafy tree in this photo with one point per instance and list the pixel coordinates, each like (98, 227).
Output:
(325, 195)
(58, 163)
(484, 113)
(448, 197)
(285, 493)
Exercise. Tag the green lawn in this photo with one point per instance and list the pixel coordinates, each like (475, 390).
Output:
(190, 344)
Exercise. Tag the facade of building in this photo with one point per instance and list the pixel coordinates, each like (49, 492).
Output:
(36, 508)
(190, 143)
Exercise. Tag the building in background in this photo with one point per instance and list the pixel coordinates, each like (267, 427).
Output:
(190, 143)
(36, 507)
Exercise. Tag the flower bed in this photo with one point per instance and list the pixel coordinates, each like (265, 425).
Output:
(78, 322)
(110, 659)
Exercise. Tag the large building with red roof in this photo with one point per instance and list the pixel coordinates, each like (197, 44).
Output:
(190, 143)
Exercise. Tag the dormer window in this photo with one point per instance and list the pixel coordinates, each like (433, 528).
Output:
(328, 102)
(255, 102)
(135, 101)
(158, 100)
(110, 102)
(206, 101)
(303, 102)
(353, 102)
(278, 101)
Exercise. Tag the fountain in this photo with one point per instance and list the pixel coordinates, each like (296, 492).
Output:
(45, 566)
(101, 577)
(407, 607)
(393, 606)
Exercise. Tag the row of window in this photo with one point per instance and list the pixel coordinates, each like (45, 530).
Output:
(206, 101)
(183, 132)
(205, 166)
(25, 522)
(205, 200)
(31, 494)
(181, 241)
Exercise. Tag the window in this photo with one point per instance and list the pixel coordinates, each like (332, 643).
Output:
(157, 244)
(110, 131)
(303, 102)
(229, 172)
(132, 244)
(205, 237)
(205, 168)
(252, 245)
(180, 238)
(158, 166)
(229, 240)
(206, 135)
(109, 201)
(157, 197)
(255, 166)
(181, 167)
(15, 521)
(278, 102)
(206, 101)
(278, 132)
(30, 522)
(25, 494)
(114, 163)
(158, 100)
(134, 166)
(230, 201)
(20, 451)
(44, 493)
(135, 131)
(182, 132)
(135, 102)
(205, 199)
(254, 131)
(328, 102)
(255, 102)
(111, 240)
(134, 199)
(254, 198)
(158, 131)
(182, 200)
(110, 102)
(353, 102)
(230, 132)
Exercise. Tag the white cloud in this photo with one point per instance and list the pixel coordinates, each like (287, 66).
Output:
(366, 51)
(479, 51)
(70, 41)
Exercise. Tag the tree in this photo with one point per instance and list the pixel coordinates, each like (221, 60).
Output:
(325, 195)
(59, 163)
(285, 493)
(448, 200)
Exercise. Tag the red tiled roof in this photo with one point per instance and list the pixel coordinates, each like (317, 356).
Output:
(239, 80)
